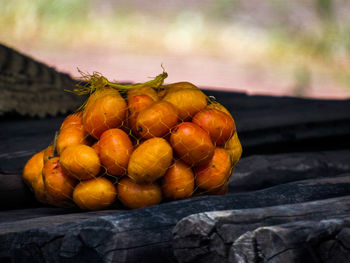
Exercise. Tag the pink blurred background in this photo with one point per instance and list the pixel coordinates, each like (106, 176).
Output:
(273, 47)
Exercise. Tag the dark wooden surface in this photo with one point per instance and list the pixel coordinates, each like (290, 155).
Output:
(287, 233)
(261, 171)
(142, 235)
(269, 124)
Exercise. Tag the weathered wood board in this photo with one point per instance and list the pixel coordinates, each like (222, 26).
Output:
(303, 232)
(142, 235)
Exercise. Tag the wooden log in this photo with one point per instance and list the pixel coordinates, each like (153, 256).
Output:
(261, 171)
(145, 235)
(325, 240)
(8, 216)
(271, 234)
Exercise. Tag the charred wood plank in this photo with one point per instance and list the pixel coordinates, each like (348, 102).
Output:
(287, 233)
(261, 171)
(143, 235)
(326, 240)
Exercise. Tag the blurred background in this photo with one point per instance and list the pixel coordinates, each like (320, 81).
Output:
(295, 48)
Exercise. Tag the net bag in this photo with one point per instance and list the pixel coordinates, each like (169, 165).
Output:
(137, 145)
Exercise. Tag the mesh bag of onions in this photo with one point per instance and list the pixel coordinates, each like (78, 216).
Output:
(137, 145)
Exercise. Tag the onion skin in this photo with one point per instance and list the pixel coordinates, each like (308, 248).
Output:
(71, 135)
(218, 124)
(216, 173)
(105, 109)
(115, 151)
(150, 160)
(95, 194)
(76, 118)
(178, 182)
(192, 144)
(156, 120)
(80, 161)
(186, 97)
(134, 195)
(58, 184)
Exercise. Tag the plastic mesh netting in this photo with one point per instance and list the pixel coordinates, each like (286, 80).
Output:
(138, 144)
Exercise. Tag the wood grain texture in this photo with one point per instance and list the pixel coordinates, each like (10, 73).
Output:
(268, 124)
(145, 235)
(261, 171)
(287, 233)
